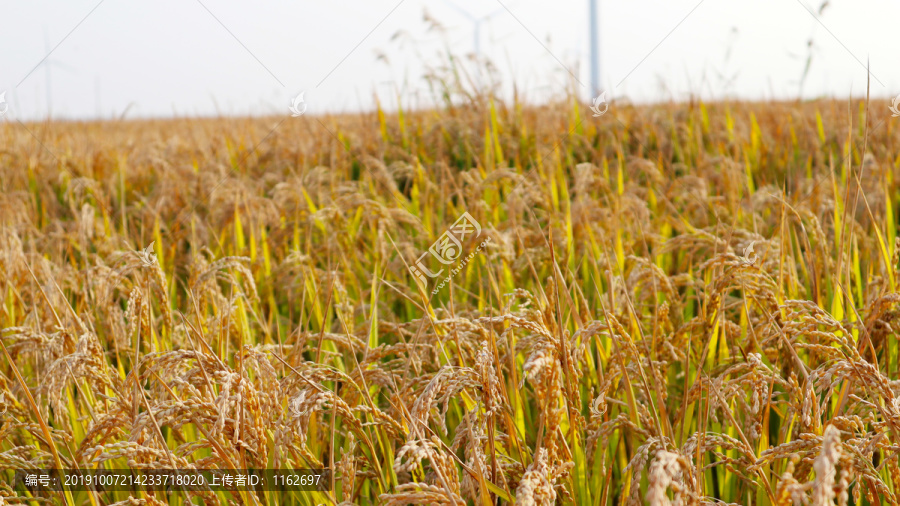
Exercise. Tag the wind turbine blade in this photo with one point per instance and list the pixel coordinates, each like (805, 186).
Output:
(461, 10)
(493, 13)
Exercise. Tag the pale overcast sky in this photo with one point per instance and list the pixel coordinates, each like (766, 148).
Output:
(162, 58)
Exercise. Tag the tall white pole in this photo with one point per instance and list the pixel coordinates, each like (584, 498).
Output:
(595, 49)
(47, 69)
(477, 36)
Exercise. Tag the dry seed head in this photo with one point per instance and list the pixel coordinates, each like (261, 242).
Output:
(823, 490)
(536, 487)
(665, 471)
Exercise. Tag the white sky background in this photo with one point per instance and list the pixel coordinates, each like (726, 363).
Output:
(164, 58)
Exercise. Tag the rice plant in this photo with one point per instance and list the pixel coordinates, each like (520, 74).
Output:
(671, 304)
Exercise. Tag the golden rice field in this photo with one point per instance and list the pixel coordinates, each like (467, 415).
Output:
(687, 303)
